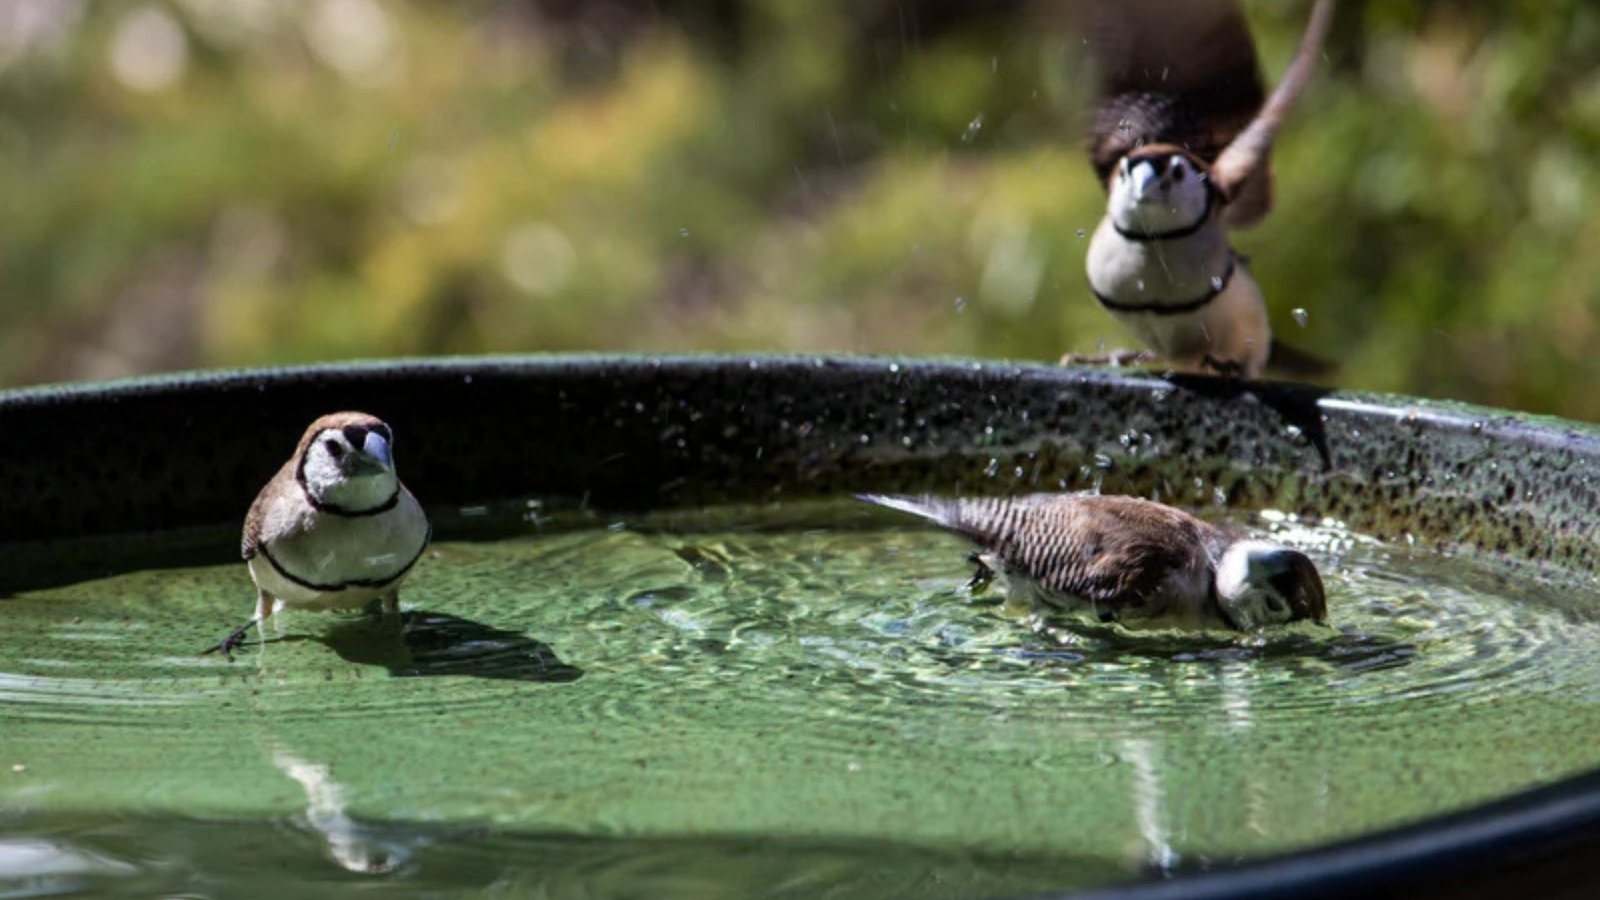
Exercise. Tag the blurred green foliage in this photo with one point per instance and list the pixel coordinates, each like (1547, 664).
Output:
(238, 182)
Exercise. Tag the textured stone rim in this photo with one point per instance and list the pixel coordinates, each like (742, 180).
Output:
(101, 467)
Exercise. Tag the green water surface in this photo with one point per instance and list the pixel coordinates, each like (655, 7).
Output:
(757, 703)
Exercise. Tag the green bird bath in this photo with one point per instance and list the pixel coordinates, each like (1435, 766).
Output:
(658, 650)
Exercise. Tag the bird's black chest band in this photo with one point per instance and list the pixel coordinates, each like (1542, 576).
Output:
(1218, 285)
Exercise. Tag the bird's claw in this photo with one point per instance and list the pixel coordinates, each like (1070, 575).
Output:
(1226, 368)
(228, 644)
(1115, 359)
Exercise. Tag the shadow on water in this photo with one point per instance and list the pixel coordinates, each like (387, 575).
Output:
(425, 644)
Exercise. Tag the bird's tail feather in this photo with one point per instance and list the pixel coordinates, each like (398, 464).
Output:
(1288, 360)
(938, 510)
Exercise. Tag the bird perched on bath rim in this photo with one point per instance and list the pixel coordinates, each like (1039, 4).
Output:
(335, 527)
(1182, 142)
(1125, 559)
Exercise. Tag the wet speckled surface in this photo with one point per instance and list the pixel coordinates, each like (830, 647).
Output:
(630, 433)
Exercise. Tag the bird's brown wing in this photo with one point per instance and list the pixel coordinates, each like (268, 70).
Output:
(1181, 73)
(1105, 549)
(255, 521)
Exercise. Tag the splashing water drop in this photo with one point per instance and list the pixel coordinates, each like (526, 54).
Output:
(1301, 317)
(973, 127)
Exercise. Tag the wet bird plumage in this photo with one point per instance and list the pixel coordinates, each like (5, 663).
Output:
(1119, 557)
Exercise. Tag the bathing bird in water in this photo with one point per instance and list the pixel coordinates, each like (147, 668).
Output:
(1182, 141)
(1126, 559)
(335, 527)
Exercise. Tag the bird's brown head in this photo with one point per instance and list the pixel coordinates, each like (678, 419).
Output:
(1160, 189)
(346, 459)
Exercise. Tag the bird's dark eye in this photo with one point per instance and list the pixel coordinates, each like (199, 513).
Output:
(334, 448)
(1177, 171)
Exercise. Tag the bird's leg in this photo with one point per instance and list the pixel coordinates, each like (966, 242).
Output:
(390, 604)
(1115, 358)
(982, 573)
(235, 638)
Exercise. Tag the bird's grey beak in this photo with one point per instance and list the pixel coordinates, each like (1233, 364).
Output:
(1145, 180)
(375, 454)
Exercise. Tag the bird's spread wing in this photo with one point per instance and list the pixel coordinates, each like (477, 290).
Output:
(1175, 73)
(1104, 549)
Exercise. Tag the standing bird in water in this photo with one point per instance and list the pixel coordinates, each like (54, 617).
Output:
(1182, 141)
(334, 528)
(1124, 559)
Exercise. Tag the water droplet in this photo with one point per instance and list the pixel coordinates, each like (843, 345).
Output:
(1102, 461)
(1301, 317)
(683, 232)
(992, 469)
(1216, 282)
(1141, 284)
(865, 439)
(961, 304)
(973, 127)
(1081, 232)
(1124, 126)
(893, 368)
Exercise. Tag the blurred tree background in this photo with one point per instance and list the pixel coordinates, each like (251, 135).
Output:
(237, 182)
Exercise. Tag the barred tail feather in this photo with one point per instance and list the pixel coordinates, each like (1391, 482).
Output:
(937, 510)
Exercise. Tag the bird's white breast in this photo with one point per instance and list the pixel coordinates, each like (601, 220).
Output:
(340, 561)
(1231, 327)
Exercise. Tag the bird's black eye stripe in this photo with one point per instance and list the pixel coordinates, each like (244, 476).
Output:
(334, 448)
